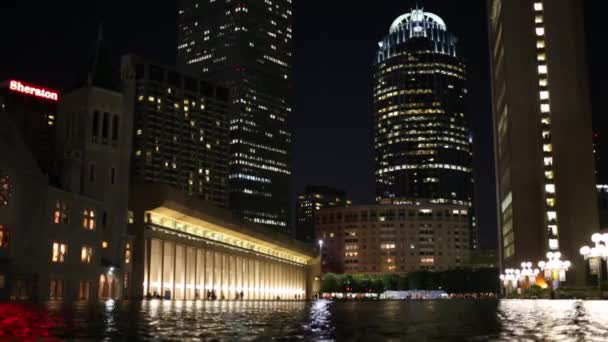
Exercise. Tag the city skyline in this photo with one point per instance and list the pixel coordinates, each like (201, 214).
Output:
(347, 155)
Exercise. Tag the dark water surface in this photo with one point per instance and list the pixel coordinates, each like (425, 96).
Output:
(450, 320)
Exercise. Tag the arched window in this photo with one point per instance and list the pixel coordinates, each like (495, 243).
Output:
(5, 189)
(115, 124)
(95, 125)
(4, 235)
(105, 128)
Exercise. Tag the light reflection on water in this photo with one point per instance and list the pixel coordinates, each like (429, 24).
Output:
(459, 320)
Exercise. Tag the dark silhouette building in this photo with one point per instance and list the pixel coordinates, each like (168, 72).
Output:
(33, 110)
(247, 47)
(313, 199)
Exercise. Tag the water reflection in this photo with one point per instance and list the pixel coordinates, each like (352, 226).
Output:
(310, 321)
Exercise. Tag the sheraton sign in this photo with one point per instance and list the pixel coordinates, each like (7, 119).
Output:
(28, 89)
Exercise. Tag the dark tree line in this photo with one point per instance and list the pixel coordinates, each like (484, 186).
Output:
(453, 281)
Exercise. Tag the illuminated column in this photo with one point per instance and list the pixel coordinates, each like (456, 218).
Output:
(238, 276)
(256, 280)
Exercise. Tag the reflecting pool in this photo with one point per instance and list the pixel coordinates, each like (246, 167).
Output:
(449, 320)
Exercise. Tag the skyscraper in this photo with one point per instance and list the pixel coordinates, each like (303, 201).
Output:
(542, 128)
(423, 146)
(313, 199)
(247, 46)
(180, 130)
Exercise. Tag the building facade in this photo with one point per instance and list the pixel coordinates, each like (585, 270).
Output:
(65, 233)
(313, 199)
(33, 110)
(422, 141)
(248, 48)
(542, 128)
(186, 250)
(394, 238)
(180, 130)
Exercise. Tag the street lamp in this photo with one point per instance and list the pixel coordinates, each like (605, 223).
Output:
(510, 277)
(598, 253)
(554, 268)
(528, 274)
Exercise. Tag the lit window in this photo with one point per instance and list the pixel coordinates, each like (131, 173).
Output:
(86, 254)
(542, 69)
(128, 253)
(545, 108)
(548, 161)
(60, 215)
(540, 44)
(553, 244)
(331, 235)
(553, 229)
(547, 148)
(544, 95)
(538, 6)
(89, 220)
(550, 188)
(543, 82)
(105, 245)
(538, 19)
(551, 202)
(59, 252)
(540, 31)
(542, 57)
(549, 175)
(4, 235)
(551, 216)
(546, 134)
(5, 188)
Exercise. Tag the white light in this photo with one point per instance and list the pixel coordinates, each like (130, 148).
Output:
(597, 237)
(540, 31)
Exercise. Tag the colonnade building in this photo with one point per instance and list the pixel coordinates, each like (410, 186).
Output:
(186, 250)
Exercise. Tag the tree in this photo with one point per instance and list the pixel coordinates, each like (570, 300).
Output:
(330, 283)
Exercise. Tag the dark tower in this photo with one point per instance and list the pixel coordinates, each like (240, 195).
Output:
(247, 47)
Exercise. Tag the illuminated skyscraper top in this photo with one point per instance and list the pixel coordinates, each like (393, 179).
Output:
(423, 145)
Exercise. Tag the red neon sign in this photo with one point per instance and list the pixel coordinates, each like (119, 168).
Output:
(23, 88)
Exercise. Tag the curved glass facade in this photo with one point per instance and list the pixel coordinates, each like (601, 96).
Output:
(423, 145)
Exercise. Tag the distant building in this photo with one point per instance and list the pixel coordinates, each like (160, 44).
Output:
(483, 258)
(33, 109)
(394, 238)
(542, 129)
(602, 205)
(248, 47)
(311, 201)
(180, 130)
(423, 144)
(597, 157)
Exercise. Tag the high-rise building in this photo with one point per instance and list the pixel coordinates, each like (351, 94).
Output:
(313, 199)
(247, 46)
(600, 178)
(180, 130)
(423, 145)
(33, 110)
(542, 128)
(394, 238)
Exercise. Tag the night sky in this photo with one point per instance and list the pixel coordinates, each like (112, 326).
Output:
(335, 42)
